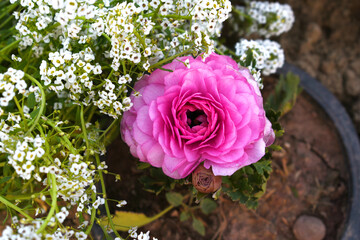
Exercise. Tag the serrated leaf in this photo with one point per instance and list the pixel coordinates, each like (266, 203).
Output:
(198, 226)
(208, 205)
(174, 198)
(262, 166)
(184, 216)
(238, 196)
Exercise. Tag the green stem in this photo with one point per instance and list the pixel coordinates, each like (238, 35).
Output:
(25, 196)
(160, 214)
(124, 67)
(219, 51)
(42, 106)
(10, 46)
(108, 129)
(91, 114)
(6, 21)
(83, 126)
(93, 215)
(21, 112)
(106, 36)
(162, 62)
(104, 196)
(53, 193)
(174, 16)
(10, 9)
(142, 42)
(16, 208)
(240, 13)
(65, 140)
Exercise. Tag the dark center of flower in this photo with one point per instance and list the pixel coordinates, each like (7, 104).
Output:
(195, 118)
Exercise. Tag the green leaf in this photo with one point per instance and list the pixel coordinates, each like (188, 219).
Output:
(286, 92)
(276, 147)
(174, 198)
(263, 166)
(143, 165)
(5, 179)
(251, 204)
(31, 101)
(262, 191)
(238, 196)
(198, 226)
(279, 133)
(184, 216)
(208, 205)
(34, 113)
(7, 170)
(125, 220)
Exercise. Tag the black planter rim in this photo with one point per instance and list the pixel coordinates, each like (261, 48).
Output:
(350, 140)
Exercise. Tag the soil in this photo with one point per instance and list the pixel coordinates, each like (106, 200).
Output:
(309, 177)
(324, 41)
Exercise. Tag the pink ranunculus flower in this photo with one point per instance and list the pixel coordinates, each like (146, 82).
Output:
(210, 113)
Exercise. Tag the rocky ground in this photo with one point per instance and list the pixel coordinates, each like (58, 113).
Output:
(325, 41)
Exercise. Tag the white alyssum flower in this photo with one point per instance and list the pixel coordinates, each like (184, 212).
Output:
(269, 55)
(269, 19)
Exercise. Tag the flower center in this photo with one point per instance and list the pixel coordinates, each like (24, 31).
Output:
(195, 118)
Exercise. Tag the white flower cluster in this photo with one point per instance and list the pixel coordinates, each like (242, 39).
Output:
(24, 158)
(269, 19)
(29, 230)
(130, 25)
(269, 55)
(75, 73)
(73, 180)
(141, 236)
(134, 38)
(12, 83)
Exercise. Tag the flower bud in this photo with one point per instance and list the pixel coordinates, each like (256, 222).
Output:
(204, 180)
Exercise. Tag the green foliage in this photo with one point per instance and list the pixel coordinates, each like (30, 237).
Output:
(4, 179)
(125, 220)
(286, 92)
(198, 226)
(184, 216)
(207, 205)
(156, 181)
(248, 184)
(174, 198)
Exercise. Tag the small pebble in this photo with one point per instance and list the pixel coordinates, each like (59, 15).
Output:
(309, 228)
